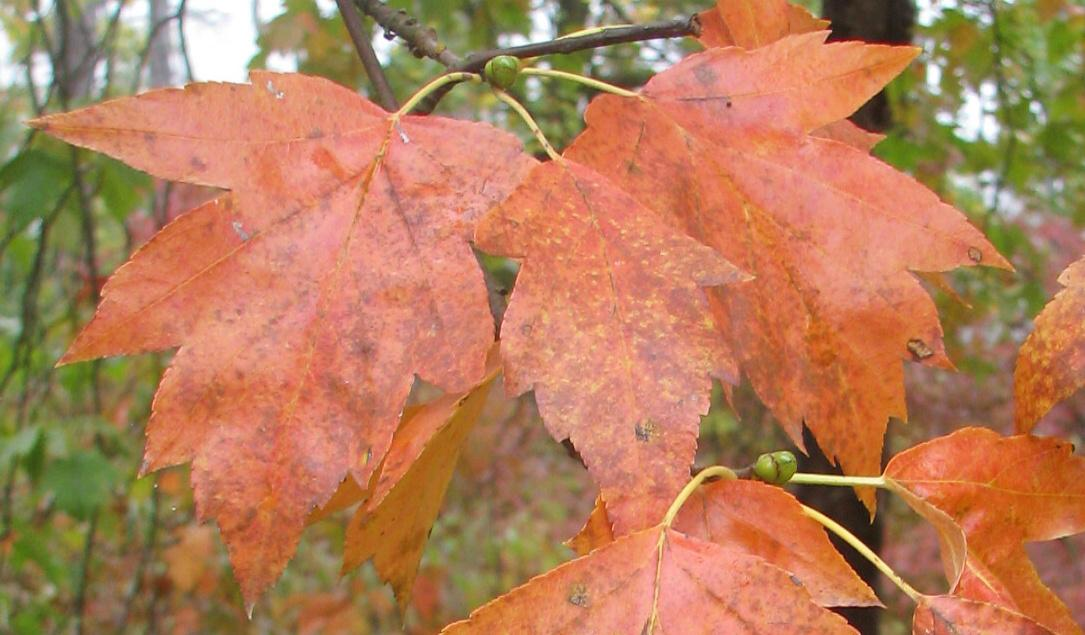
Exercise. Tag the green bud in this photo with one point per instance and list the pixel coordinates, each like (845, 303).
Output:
(765, 468)
(776, 468)
(502, 71)
(786, 466)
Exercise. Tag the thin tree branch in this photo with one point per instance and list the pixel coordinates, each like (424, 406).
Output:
(421, 40)
(145, 555)
(182, 42)
(360, 36)
(156, 28)
(475, 62)
(678, 27)
(80, 601)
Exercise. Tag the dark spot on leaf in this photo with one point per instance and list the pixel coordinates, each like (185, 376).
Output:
(975, 255)
(315, 133)
(578, 596)
(645, 431)
(919, 349)
(795, 580)
(525, 329)
(197, 164)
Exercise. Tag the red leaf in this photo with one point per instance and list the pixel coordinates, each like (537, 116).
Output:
(304, 302)
(653, 582)
(948, 615)
(754, 23)
(765, 521)
(1002, 492)
(609, 326)
(748, 516)
(394, 522)
(1051, 365)
(718, 147)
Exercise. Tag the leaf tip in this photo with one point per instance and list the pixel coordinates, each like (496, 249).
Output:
(38, 123)
(72, 356)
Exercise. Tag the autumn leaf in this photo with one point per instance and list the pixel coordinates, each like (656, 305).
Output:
(1051, 364)
(747, 516)
(597, 531)
(948, 615)
(392, 526)
(753, 23)
(305, 301)
(657, 581)
(765, 521)
(719, 147)
(609, 325)
(1002, 492)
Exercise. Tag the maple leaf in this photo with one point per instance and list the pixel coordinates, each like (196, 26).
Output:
(1001, 492)
(949, 615)
(392, 525)
(1051, 364)
(719, 146)
(649, 582)
(596, 532)
(306, 300)
(747, 516)
(609, 325)
(753, 23)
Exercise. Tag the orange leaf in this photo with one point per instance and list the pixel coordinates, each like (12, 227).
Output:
(1002, 492)
(948, 615)
(764, 520)
(306, 300)
(394, 523)
(719, 147)
(657, 581)
(608, 324)
(1051, 365)
(747, 516)
(754, 23)
(350, 493)
(847, 132)
(596, 532)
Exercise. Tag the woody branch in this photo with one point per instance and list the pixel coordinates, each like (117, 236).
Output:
(423, 41)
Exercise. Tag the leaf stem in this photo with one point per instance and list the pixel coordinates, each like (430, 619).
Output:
(839, 481)
(717, 471)
(447, 78)
(863, 550)
(526, 116)
(580, 79)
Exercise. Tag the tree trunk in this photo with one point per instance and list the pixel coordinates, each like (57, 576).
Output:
(881, 21)
(160, 58)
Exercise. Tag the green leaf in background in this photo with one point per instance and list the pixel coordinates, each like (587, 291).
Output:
(26, 446)
(81, 483)
(31, 185)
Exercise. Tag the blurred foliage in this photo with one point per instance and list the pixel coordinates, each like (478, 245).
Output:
(992, 116)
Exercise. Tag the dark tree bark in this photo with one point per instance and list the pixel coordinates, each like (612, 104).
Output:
(884, 22)
(881, 21)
